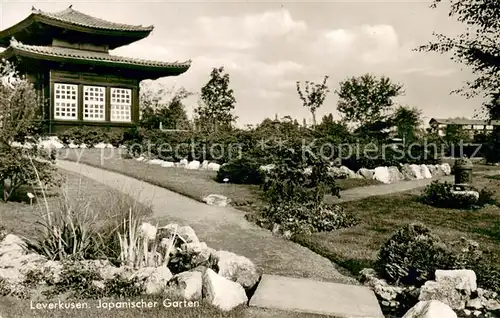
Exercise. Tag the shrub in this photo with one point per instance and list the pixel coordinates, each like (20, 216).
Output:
(412, 255)
(441, 195)
(309, 218)
(241, 171)
(91, 136)
(299, 176)
(19, 107)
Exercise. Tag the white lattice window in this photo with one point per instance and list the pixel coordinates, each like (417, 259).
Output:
(94, 103)
(65, 101)
(121, 104)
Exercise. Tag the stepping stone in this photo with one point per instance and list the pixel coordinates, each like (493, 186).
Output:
(315, 297)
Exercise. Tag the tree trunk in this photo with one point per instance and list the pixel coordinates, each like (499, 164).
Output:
(314, 118)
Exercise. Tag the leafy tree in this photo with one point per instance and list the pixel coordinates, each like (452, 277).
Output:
(313, 96)
(367, 100)
(332, 129)
(19, 123)
(161, 105)
(217, 102)
(477, 47)
(407, 122)
(456, 133)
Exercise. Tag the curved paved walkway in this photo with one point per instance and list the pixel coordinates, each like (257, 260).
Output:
(360, 193)
(220, 228)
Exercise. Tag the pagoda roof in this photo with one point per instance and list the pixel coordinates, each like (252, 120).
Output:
(154, 69)
(76, 22)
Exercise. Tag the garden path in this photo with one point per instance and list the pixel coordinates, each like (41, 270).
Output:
(221, 228)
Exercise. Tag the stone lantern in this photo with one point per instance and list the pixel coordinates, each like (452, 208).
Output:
(463, 173)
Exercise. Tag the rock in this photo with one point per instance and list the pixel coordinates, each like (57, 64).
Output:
(140, 159)
(216, 200)
(99, 284)
(432, 169)
(52, 271)
(417, 172)
(204, 164)
(188, 234)
(446, 169)
(407, 172)
(155, 162)
(187, 285)
(200, 254)
(183, 162)
(222, 292)
(238, 269)
(366, 173)
(213, 166)
(102, 145)
(168, 164)
(463, 279)
(430, 309)
(492, 305)
(348, 172)
(439, 171)
(445, 293)
(13, 246)
(425, 172)
(193, 165)
(475, 303)
(11, 275)
(394, 174)
(382, 174)
(155, 278)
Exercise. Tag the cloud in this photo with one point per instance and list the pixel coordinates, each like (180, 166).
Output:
(369, 44)
(242, 32)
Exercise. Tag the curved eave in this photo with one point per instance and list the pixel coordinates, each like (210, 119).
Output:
(132, 35)
(147, 71)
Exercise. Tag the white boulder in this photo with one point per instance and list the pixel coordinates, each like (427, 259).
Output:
(183, 162)
(382, 174)
(446, 168)
(167, 164)
(193, 165)
(425, 172)
(349, 173)
(430, 309)
(237, 268)
(155, 278)
(462, 279)
(366, 173)
(204, 164)
(187, 285)
(394, 174)
(222, 292)
(417, 171)
(216, 200)
(444, 292)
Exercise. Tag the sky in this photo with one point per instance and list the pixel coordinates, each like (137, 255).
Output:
(267, 46)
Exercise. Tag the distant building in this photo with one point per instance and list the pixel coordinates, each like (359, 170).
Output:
(474, 126)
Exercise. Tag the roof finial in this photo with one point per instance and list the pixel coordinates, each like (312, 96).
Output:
(70, 6)
(33, 8)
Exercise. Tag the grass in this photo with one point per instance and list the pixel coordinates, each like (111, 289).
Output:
(355, 248)
(195, 184)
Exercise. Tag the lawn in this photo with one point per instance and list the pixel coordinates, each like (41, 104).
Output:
(195, 184)
(355, 248)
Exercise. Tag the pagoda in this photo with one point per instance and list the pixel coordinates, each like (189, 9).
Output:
(66, 55)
